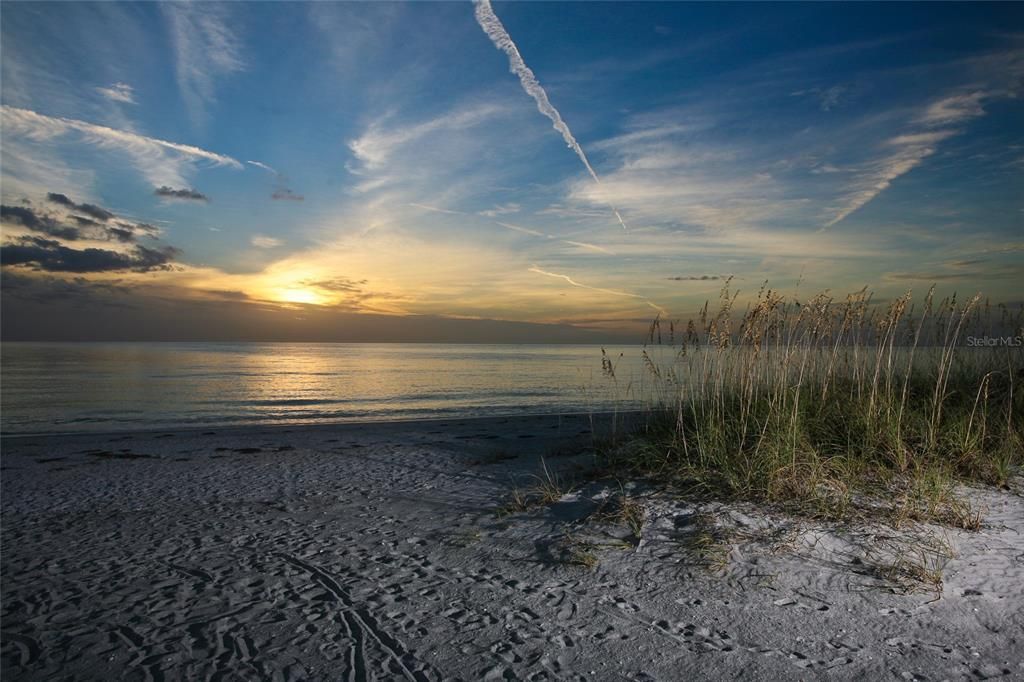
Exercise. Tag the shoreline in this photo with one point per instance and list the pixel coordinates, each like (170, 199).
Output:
(381, 549)
(232, 427)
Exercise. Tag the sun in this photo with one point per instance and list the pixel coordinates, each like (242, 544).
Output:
(297, 295)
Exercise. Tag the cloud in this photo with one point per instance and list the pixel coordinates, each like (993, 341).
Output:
(938, 276)
(341, 284)
(262, 241)
(39, 127)
(523, 230)
(285, 194)
(495, 30)
(282, 193)
(915, 146)
(119, 92)
(695, 278)
(911, 150)
(953, 109)
(206, 49)
(502, 209)
(52, 256)
(436, 209)
(828, 98)
(185, 194)
(263, 166)
(570, 242)
(89, 209)
(110, 227)
(587, 246)
(26, 217)
(160, 161)
(376, 146)
(48, 289)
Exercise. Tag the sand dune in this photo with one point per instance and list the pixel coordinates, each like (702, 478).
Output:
(375, 552)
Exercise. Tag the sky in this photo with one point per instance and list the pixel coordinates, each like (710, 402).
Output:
(515, 171)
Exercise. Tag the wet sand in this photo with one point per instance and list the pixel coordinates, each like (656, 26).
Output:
(376, 551)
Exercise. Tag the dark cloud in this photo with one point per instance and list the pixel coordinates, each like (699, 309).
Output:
(695, 278)
(227, 294)
(28, 218)
(47, 289)
(61, 199)
(85, 222)
(143, 228)
(343, 284)
(96, 212)
(121, 234)
(83, 228)
(51, 256)
(188, 194)
(285, 194)
(995, 272)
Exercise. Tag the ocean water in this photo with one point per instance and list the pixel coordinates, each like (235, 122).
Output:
(64, 387)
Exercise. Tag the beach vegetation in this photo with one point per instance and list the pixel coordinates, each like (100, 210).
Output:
(832, 408)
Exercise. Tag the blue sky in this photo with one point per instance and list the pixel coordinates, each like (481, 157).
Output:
(357, 158)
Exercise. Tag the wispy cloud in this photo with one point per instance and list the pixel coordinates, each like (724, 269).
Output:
(262, 241)
(910, 151)
(41, 127)
(502, 209)
(495, 30)
(376, 146)
(953, 109)
(119, 92)
(535, 233)
(930, 127)
(162, 162)
(436, 209)
(206, 49)
(522, 230)
(828, 98)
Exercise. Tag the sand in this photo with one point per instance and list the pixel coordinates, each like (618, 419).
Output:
(375, 552)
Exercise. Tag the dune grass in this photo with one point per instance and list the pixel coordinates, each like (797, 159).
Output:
(832, 408)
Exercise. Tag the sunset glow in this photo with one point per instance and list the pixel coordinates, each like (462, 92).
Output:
(461, 162)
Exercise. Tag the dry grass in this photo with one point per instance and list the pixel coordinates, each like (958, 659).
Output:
(622, 510)
(832, 408)
(582, 554)
(709, 542)
(548, 487)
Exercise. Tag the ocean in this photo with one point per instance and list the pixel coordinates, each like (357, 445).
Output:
(99, 387)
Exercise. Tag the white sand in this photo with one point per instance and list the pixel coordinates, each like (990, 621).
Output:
(374, 552)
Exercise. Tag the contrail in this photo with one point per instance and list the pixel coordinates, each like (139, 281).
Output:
(495, 30)
(263, 166)
(613, 292)
(535, 233)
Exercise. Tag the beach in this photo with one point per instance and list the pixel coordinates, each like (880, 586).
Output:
(387, 551)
